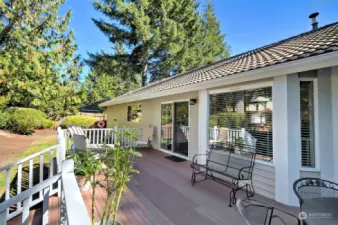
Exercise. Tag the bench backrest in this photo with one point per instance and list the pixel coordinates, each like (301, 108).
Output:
(235, 162)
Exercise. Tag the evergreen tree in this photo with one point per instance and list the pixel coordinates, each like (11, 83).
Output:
(38, 65)
(215, 46)
(162, 36)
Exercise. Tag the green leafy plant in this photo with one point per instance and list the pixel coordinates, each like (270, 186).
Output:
(81, 121)
(88, 165)
(117, 172)
(239, 142)
(25, 120)
(4, 120)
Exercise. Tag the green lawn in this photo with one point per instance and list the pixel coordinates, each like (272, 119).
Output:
(34, 147)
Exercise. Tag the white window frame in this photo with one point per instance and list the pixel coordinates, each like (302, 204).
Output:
(131, 121)
(315, 104)
(243, 87)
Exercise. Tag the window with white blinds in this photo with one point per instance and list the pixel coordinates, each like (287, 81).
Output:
(307, 123)
(243, 117)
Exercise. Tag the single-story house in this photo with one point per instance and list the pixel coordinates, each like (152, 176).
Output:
(282, 98)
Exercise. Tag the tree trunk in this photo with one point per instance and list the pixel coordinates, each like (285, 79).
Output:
(144, 73)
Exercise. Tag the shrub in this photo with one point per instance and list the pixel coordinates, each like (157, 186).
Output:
(47, 124)
(4, 120)
(81, 121)
(25, 120)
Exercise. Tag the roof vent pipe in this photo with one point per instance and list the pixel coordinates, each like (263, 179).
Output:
(313, 17)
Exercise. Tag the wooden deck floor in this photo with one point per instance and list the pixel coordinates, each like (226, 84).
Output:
(162, 195)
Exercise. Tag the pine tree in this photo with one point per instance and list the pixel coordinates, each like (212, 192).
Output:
(38, 65)
(163, 36)
(215, 46)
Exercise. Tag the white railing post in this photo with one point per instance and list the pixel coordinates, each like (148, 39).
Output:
(116, 129)
(61, 140)
(243, 135)
(215, 133)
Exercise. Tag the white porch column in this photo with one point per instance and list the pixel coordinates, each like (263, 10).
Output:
(286, 136)
(325, 137)
(334, 99)
(203, 121)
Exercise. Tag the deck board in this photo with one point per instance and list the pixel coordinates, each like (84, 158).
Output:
(162, 195)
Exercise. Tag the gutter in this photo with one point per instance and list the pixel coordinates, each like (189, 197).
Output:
(296, 66)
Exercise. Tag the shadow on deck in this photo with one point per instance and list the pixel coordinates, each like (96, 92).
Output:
(162, 195)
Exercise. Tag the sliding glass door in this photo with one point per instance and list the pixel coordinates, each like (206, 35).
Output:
(181, 127)
(167, 126)
(175, 127)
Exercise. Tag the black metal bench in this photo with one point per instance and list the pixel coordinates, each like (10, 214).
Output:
(235, 172)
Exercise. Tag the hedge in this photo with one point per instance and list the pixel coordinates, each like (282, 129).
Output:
(25, 120)
(81, 121)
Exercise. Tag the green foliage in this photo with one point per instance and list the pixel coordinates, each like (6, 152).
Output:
(47, 124)
(4, 120)
(99, 86)
(214, 46)
(86, 163)
(227, 119)
(162, 37)
(38, 66)
(25, 120)
(118, 171)
(81, 121)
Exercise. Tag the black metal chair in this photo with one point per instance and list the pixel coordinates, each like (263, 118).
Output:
(310, 188)
(255, 212)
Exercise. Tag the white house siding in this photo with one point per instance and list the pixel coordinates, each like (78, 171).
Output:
(151, 115)
(263, 174)
(314, 174)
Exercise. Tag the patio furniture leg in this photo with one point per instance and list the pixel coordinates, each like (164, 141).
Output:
(232, 197)
(250, 191)
(193, 178)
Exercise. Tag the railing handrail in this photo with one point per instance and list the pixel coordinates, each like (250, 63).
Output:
(73, 199)
(29, 192)
(21, 161)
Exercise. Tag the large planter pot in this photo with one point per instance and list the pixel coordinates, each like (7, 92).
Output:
(83, 182)
(109, 223)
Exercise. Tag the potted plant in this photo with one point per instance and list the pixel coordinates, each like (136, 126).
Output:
(86, 166)
(117, 173)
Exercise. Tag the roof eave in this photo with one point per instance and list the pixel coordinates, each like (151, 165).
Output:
(310, 63)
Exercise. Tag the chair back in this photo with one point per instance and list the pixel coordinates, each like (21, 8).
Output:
(254, 213)
(75, 130)
(79, 142)
(309, 188)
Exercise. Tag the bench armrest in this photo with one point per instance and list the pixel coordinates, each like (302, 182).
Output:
(246, 169)
(197, 156)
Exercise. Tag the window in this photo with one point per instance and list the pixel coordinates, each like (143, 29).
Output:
(245, 117)
(307, 123)
(134, 113)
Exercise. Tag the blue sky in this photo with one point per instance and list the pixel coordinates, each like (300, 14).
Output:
(247, 24)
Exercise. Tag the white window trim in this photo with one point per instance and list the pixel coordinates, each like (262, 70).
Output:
(241, 87)
(244, 87)
(131, 122)
(315, 103)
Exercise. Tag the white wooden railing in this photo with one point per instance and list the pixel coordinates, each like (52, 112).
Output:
(231, 135)
(101, 136)
(72, 208)
(53, 166)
